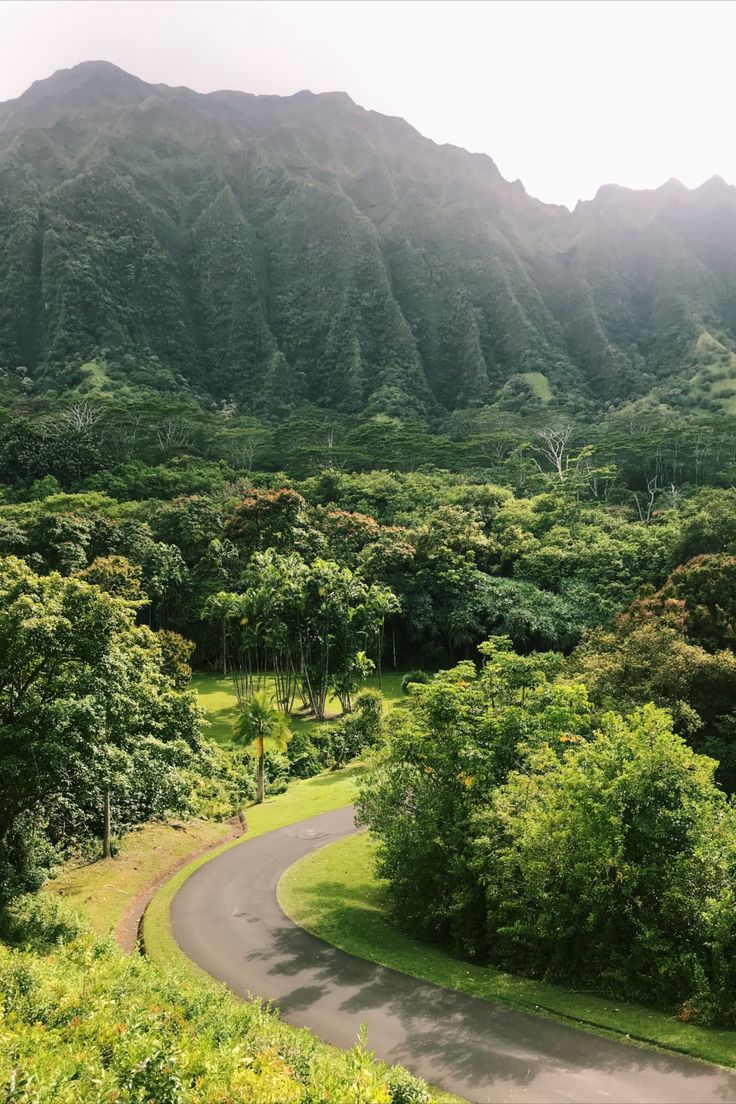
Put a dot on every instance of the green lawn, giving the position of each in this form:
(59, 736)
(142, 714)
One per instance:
(217, 696)
(334, 893)
(102, 890)
(539, 385)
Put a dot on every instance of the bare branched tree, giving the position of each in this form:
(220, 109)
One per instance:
(242, 453)
(81, 416)
(645, 504)
(598, 479)
(330, 460)
(673, 493)
(553, 447)
(174, 434)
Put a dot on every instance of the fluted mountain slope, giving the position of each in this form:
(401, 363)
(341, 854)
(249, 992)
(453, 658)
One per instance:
(273, 250)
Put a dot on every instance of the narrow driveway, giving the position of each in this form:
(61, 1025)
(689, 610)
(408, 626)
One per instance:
(227, 919)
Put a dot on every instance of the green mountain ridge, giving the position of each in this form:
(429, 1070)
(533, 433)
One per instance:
(275, 250)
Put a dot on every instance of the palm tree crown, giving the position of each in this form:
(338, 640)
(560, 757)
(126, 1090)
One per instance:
(261, 726)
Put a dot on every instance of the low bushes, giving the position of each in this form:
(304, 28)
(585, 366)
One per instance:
(411, 677)
(333, 747)
(87, 1023)
(40, 922)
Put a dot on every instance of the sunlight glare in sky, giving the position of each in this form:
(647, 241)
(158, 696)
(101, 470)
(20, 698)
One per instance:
(565, 96)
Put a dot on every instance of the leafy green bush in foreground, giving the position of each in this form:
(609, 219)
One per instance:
(88, 1023)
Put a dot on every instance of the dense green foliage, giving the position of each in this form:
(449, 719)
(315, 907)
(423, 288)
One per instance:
(521, 829)
(294, 395)
(443, 759)
(268, 252)
(81, 1021)
(183, 272)
(87, 708)
(302, 588)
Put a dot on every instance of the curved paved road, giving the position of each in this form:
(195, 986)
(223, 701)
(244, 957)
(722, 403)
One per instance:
(226, 917)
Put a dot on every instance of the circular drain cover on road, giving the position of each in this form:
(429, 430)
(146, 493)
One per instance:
(311, 833)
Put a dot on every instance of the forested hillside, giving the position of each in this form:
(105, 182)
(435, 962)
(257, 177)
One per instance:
(274, 251)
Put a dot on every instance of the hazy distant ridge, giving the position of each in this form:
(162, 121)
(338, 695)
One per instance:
(274, 249)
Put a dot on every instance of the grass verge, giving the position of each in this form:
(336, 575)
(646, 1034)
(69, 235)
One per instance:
(335, 894)
(103, 890)
(302, 800)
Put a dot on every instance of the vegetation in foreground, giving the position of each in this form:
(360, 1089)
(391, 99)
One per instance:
(81, 1021)
(336, 894)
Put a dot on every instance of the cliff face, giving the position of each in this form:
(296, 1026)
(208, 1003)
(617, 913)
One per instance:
(274, 249)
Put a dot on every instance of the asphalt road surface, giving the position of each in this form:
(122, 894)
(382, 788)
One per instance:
(227, 919)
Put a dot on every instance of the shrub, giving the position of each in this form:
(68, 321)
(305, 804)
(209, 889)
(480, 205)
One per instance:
(277, 772)
(307, 755)
(40, 921)
(27, 856)
(226, 783)
(368, 716)
(404, 1088)
(88, 1023)
(358, 731)
(414, 677)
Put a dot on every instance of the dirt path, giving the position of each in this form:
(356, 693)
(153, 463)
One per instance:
(227, 919)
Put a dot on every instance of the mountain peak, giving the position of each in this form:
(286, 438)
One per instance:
(88, 85)
(335, 97)
(715, 185)
(98, 74)
(672, 185)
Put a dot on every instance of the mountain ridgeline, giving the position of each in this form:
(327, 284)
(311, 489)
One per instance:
(273, 251)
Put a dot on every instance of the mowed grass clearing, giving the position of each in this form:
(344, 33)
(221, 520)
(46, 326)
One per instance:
(335, 894)
(217, 695)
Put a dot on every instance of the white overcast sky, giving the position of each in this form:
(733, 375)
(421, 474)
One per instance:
(564, 95)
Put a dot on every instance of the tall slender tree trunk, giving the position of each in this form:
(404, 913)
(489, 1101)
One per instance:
(106, 828)
(261, 786)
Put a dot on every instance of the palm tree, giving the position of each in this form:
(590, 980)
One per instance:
(261, 724)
